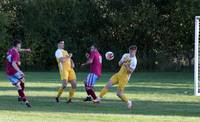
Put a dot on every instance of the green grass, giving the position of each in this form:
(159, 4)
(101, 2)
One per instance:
(158, 97)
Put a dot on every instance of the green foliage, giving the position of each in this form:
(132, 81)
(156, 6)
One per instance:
(4, 36)
(162, 29)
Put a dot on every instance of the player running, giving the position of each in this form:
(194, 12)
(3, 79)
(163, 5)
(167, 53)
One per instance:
(95, 62)
(13, 71)
(128, 64)
(67, 74)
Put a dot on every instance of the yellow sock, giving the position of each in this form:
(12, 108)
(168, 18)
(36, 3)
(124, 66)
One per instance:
(124, 98)
(71, 93)
(60, 91)
(103, 92)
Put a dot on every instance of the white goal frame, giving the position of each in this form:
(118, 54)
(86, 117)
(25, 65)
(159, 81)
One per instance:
(196, 58)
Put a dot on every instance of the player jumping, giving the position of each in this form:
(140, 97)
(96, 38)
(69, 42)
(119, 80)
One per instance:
(128, 64)
(13, 71)
(67, 74)
(95, 62)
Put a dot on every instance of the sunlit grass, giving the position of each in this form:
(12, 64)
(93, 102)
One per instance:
(157, 97)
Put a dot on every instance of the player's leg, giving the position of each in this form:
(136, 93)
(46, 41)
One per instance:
(113, 80)
(72, 90)
(22, 84)
(16, 81)
(88, 98)
(72, 79)
(61, 89)
(89, 85)
(120, 91)
(22, 94)
(64, 78)
(103, 91)
(121, 95)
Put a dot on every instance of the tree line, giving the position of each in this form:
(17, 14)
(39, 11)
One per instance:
(163, 30)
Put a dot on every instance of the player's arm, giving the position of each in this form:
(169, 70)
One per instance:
(87, 55)
(90, 59)
(65, 58)
(121, 61)
(15, 66)
(72, 63)
(62, 58)
(131, 67)
(25, 50)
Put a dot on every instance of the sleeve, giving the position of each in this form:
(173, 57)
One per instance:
(133, 64)
(122, 59)
(58, 54)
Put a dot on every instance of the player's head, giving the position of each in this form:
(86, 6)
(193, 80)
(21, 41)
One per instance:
(61, 44)
(132, 49)
(17, 43)
(93, 47)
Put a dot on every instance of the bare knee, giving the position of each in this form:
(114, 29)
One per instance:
(119, 93)
(23, 80)
(74, 84)
(64, 84)
(18, 86)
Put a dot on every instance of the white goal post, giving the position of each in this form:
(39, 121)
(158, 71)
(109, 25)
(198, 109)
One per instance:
(197, 59)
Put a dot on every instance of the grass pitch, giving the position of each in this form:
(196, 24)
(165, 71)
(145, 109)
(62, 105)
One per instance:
(158, 97)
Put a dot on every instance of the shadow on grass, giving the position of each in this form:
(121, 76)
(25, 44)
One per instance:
(128, 89)
(47, 104)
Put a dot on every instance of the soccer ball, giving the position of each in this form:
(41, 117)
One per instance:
(109, 55)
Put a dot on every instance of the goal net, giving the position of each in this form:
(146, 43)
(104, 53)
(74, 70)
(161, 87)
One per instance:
(197, 59)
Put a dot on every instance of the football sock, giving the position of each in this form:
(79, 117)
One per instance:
(103, 92)
(60, 91)
(123, 98)
(22, 95)
(71, 93)
(87, 90)
(22, 85)
(88, 93)
(92, 93)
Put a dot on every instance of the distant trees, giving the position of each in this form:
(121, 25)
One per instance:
(163, 30)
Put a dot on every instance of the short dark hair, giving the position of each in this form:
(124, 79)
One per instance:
(59, 40)
(133, 47)
(16, 42)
